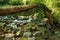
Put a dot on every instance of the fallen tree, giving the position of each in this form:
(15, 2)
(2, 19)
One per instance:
(14, 9)
(22, 8)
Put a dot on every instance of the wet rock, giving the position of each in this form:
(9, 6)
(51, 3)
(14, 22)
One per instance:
(29, 20)
(57, 33)
(2, 24)
(43, 22)
(37, 34)
(33, 29)
(8, 36)
(27, 34)
(18, 33)
(20, 17)
(18, 21)
(5, 17)
(31, 38)
(12, 25)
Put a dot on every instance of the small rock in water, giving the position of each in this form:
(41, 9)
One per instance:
(31, 38)
(8, 36)
(2, 24)
(57, 33)
(13, 25)
(27, 34)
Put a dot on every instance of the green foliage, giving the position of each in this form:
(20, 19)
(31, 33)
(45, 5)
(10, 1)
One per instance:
(35, 1)
(54, 5)
(15, 2)
(58, 4)
(11, 2)
(2, 2)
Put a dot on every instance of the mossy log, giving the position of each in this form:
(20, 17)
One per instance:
(14, 9)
